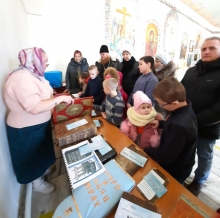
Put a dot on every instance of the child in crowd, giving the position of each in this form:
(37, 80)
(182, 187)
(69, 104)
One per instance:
(111, 72)
(176, 152)
(147, 81)
(138, 125)
(94, 86)
(113, 107)
(83, 79)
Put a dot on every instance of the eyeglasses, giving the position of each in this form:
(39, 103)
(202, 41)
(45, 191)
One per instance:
(47, 64)
(163, 105)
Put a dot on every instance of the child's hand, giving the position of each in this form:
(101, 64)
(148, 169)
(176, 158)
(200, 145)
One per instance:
(103, 115)
(128, 105)
(155, 124)
(79, 93)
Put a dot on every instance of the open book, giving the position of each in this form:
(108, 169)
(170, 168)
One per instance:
(81, 168)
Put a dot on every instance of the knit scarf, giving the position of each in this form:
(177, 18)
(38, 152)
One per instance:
(140, 120)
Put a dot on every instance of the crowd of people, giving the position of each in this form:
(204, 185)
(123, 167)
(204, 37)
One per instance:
(168, 119)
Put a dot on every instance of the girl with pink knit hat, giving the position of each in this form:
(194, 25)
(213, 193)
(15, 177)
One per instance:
(138, 125)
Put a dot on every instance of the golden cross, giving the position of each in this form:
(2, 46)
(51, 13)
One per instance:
(124, 12)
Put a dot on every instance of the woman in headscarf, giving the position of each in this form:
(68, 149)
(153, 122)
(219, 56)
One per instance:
(29, 98)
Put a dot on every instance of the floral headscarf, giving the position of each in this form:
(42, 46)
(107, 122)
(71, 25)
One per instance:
(31, 60)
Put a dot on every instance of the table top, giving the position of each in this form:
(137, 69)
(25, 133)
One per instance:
(167, 202)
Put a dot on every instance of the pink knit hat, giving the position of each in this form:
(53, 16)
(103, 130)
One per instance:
(140, 98)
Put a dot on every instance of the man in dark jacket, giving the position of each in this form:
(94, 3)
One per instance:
(106, 61)
(202, 84)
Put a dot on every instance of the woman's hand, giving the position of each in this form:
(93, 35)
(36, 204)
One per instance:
(67, 99)
(155, 124)
(128, 105)
(79, 93)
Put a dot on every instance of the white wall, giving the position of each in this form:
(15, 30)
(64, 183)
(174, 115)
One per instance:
(14, 37)
(67, 26)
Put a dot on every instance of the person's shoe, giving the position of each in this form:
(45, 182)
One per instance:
(51, 169)
(39, 185)
(195, 187)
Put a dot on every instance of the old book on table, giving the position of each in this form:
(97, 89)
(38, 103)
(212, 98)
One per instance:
(153, 185)
(81, 168)
(128, 165)
(132, 206)
(98, 197)
(186, 208)
(81, 107)
(79, 129)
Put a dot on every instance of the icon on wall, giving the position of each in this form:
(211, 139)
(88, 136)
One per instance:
(184, 43)
(189, 60)
(198, 40)
(195, 57)
(122, 26)
(191, 46)
(151, 39)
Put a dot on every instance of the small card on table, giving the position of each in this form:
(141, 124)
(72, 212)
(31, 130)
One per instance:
(97, 123)
(76, 124)
(98, 140)
(133, 156)
(93, 113)
(152, 185)
(89, 147)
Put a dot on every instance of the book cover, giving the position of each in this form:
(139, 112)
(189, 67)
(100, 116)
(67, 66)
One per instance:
(67, 137)
(153, 185)
(81, 168)
(185, 208)
(129, 166)
(98, 197)
(81, 107)
(132, 206)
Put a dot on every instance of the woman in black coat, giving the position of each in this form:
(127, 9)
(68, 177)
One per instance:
(77, 65)
(130, 71)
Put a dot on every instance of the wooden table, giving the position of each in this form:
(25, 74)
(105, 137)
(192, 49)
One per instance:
(167, 202)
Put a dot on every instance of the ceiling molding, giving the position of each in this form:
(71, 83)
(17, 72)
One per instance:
(188, 17)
